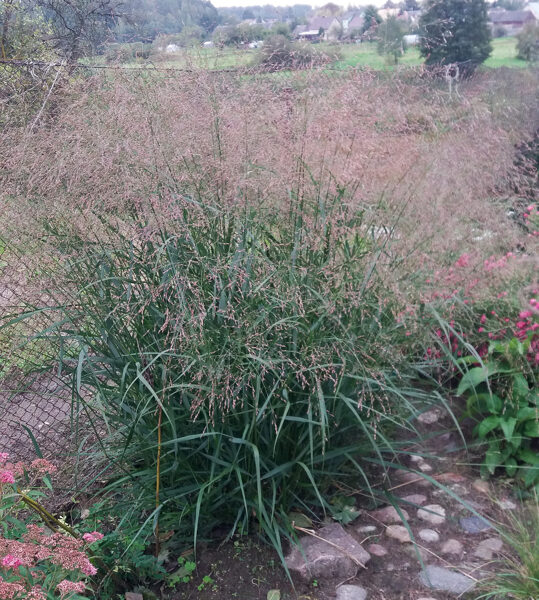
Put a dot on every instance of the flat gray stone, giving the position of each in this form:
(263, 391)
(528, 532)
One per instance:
(429, 535)
(481, 486)
(398, 532)
(320, 560)
(488, 548)
(351, 592)
(452, 546)
(417, 499)
(432, 513)
(444, 580)
(459, 489)
(389, 515)
(412, 477)
(366, 529)
(429, 417)
(414, 550)
(506, 504)
(133, 596)
(474, 524)
(376, 550)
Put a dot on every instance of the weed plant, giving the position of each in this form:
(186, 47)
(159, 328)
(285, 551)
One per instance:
(517, 576)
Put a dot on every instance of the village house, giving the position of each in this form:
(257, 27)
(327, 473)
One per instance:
(510, 21)
(320, 28)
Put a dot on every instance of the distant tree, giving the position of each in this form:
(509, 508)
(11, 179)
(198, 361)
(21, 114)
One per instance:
(411, 5)
(146, 19)
(455, 31)
(190, 36)
(528, 43)
(23, 31)
(390, 4)
(248, 14)
(390, 35)
(80, 26)
(371, 18)
(281, 29)
(510, 4)
(329, 10)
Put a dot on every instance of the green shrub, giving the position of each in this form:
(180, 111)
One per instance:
(278, 53)
(502, 397)
(528, 43)
(122, 53)
(242, 362)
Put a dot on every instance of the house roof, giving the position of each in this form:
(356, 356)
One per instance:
(511, 16)
(356, 22)
(320, 22)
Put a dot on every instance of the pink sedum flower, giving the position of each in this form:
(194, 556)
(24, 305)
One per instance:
(92, 537)
(6, 477)
(42, 466)
(88, 569)
(3, 458)
(66, 587)
(11, 562)
(10, 590)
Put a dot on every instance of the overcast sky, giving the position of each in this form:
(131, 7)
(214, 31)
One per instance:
(220, 3)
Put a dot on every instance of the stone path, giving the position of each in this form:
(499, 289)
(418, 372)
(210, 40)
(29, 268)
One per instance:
(440, 551)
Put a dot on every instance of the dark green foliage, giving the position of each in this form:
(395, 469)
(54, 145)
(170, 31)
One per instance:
(146, 19)
(528, 43)
(23, 31)
(390, 39)
(455, 31)
(502, 397)
(371, 18)
(510, 4)
(122, 53)
(80, 27)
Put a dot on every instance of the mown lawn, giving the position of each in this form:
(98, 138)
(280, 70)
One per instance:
(353, 55)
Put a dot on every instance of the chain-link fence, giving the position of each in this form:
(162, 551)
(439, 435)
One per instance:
(35, 402)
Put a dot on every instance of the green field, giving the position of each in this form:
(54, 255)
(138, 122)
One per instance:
(353, 55)
(503, 55)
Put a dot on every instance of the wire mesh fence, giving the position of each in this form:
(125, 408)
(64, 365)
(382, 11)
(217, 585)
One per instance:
(35, 401)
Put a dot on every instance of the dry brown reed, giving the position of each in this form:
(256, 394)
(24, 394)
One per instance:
(431, 173)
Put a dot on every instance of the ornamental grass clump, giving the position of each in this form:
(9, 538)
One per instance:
(232, 365)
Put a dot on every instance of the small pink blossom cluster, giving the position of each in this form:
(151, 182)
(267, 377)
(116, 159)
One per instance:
(6, 476)
(463, 277)
(527, 326)
(493, 263)
(450, 341)
(6, 473)
(37, 469)
(67, 587)
(38, 548)
(92, 537)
